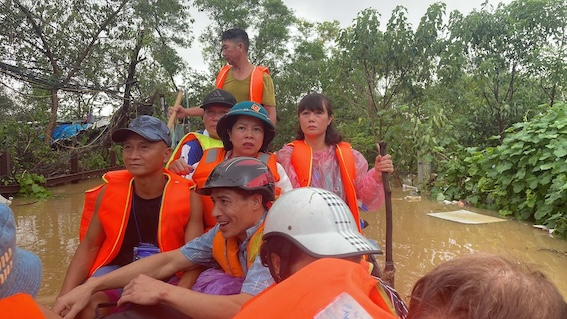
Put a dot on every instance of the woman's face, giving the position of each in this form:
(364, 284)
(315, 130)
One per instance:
(314, 123)
(247, 136)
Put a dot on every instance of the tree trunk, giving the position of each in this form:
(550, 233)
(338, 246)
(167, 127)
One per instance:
(52, 117)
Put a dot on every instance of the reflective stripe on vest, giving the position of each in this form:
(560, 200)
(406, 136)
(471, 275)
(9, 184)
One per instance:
(302, 161)
(256, 88)
(206, 142)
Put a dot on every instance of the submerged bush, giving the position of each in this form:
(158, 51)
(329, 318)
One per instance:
(524, 177)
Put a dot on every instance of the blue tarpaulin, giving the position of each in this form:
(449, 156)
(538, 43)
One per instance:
(69, 130)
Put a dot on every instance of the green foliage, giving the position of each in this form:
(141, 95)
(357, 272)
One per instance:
(30, 186)
(88, 48)
(525, 176)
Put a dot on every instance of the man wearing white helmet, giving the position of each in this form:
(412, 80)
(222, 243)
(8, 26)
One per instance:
(314, 252)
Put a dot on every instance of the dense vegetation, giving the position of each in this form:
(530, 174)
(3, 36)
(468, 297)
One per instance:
(468, 94)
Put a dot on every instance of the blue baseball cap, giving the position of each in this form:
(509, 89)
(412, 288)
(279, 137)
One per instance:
(148, 127)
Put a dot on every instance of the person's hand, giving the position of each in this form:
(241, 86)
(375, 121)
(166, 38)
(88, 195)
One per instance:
(178, 109)
(71, 303)
(143, 290)
(180, 167)
(383, 164)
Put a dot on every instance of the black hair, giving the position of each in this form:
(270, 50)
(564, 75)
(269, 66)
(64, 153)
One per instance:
(288, 252)
(319, 102)
(237, 35)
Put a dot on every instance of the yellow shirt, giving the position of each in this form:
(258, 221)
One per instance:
(241, 88)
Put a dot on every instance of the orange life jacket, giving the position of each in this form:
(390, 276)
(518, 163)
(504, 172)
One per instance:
(20, 306)
(211, 158)
(114, 211)
(256, 91)
(302, 161)
(206, 142)
(225, 252)
(317, 285)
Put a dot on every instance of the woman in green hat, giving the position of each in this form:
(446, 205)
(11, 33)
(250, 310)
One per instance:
(245, 130)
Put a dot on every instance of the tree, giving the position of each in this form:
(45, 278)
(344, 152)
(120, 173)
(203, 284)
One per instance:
(549, 63)
(80, 47)
(499, 46)
(308, 68)
(388, 75)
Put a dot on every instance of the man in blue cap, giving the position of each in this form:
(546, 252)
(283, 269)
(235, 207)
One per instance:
(137, 212)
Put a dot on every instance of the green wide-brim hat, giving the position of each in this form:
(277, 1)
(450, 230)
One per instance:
(247, 108)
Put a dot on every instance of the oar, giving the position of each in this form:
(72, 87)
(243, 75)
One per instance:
(389, 270)
(171, 120)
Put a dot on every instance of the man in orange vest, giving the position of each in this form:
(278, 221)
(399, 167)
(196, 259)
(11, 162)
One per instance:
(240, 77)
(138, 211)
(314, 252)
(241, 188)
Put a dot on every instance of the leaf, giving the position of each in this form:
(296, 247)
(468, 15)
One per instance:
(560, 152)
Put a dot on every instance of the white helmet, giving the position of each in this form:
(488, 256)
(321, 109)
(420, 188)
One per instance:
(319, 221)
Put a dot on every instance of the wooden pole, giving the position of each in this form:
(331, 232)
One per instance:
(171, 120)
(172, 117)
(389, 269)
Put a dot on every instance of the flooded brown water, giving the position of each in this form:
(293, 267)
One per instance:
(50, 229)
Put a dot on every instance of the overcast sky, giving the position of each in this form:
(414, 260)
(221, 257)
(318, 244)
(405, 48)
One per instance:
(345, 12)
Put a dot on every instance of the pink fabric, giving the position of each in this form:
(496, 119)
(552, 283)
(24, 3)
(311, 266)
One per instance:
(327, 175)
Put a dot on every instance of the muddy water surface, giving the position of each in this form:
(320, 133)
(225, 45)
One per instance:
(50, 229)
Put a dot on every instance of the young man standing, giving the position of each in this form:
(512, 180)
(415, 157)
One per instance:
(247, 82)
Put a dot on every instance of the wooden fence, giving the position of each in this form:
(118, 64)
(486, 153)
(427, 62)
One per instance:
(75, 173)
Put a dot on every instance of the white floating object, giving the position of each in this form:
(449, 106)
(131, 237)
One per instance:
(5, 201)
(408, 188)
(466, 217)
(543, 227)
(411, 198)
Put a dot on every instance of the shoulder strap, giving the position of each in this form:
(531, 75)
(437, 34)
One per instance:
(176, 154)
(257, 83)
(219, 83)
(87, 211)
(302, 161)
(346, 163)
